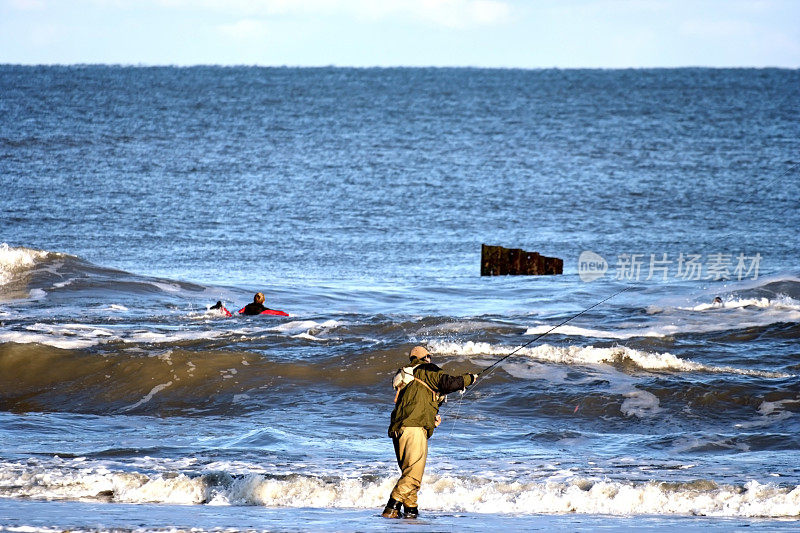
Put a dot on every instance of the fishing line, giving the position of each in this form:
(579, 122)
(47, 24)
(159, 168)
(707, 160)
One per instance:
(488, 370)
(630, 286)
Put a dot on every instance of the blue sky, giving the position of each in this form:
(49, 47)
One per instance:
(481, 33)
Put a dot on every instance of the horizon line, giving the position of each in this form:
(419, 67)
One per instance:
(388, 67)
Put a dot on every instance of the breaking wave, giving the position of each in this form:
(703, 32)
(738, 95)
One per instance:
(81, 336)
(590, 355)
(17, 260)
(732, 315)
(440, 492)
(781, 302)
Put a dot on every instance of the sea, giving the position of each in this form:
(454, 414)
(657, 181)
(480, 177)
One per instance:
(653, 385)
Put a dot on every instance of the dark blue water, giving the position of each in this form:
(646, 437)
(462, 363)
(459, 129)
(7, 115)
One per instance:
(357, 200)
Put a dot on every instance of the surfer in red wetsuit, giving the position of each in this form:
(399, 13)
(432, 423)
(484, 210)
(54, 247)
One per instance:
(257, 307)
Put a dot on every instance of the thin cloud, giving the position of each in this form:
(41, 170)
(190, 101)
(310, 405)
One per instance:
(446, 13)
(717, 28)
(27, 5)
(245, 29)
(453, 13)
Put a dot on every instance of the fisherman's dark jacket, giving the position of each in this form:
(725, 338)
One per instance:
(417, 404)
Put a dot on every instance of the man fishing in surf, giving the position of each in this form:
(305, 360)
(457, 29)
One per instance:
(420, 389)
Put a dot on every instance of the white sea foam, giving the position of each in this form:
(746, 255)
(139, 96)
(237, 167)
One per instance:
(209, 314)
(781, 302)
(589, 355)
(167, 287)
(440, 492)
(37, 294)
(534, 370)
(79, 336)
(576, 331)
(769, 413)
(66, 336)
(149, 396)
(23, 337)
(73, 329)
(14, 260)
(298, 326)
(457, 327)
(307, 337)
(640, 403)
(31, 529)
(240, 398)
(307, 329)
(676, 326)
(776, 408)
(707, 317)
(159, 337)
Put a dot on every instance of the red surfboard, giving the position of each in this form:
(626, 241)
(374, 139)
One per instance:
(273, 312)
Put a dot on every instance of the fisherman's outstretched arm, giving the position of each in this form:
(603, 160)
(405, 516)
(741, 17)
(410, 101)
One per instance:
(447, 383)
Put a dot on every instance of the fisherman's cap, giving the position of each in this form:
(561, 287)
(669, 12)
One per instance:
(418, 352)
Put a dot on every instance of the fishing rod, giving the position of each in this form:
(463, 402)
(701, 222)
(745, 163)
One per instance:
(628, 287)
(742, 201)
(493, 365)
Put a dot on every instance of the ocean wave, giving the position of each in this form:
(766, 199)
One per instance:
(161, 380)
(589, 355)
(28, 273)
(703, 318)
(15, 260)
(47, 339)
(82, 336)
(439, 492)
(65, 336)
(780, 302)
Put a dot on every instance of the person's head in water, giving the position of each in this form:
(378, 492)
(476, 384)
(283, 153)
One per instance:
(419, 352)
(258, 298)
(717, 301)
